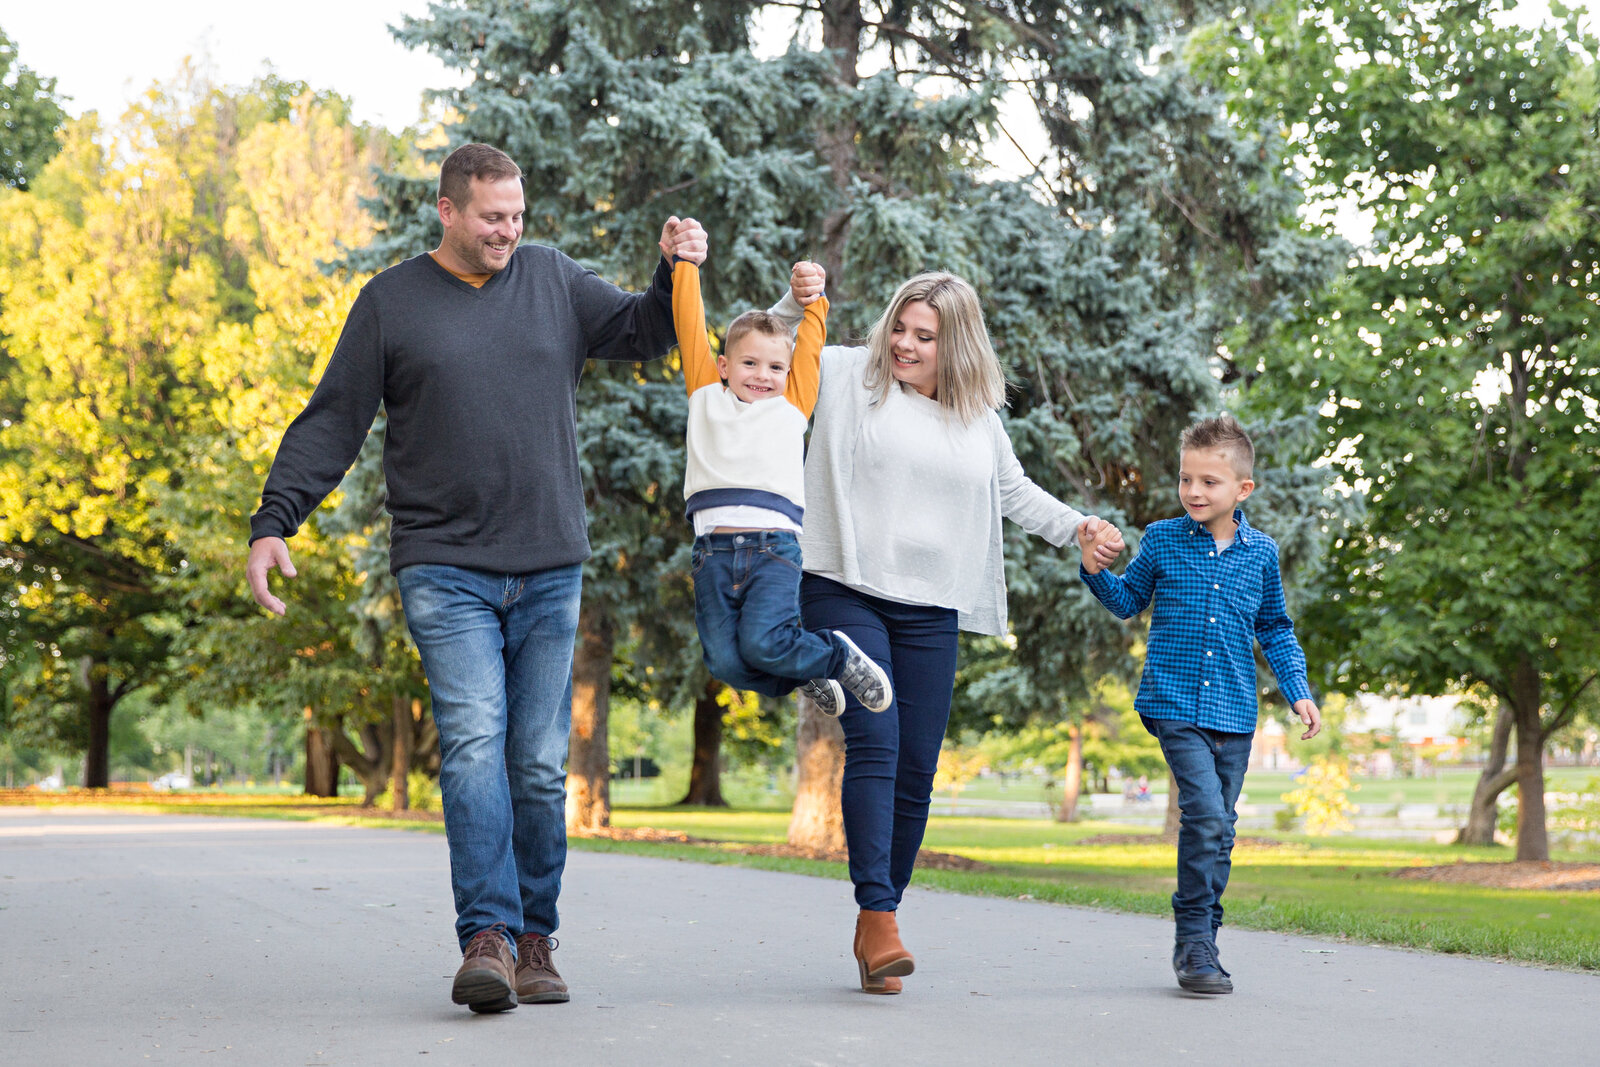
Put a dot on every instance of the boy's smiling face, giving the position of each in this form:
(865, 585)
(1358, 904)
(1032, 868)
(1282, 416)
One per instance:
(757, 367)
(1210, 488)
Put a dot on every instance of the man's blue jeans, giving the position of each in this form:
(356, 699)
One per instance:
(1209, 766)
(747, 609)
(497, 650)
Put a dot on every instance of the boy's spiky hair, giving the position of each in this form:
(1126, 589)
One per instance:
(753, 322)
(1225, 435)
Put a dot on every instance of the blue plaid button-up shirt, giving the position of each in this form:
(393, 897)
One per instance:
(1210, 608)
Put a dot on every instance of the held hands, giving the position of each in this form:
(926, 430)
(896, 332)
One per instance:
(807, 281)
(1307, 710)
(685, 239)
(1101, 543)
(265, 554)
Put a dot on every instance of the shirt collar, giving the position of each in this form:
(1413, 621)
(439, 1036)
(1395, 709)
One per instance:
(1241, 536)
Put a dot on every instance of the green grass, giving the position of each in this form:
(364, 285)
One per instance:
(1451, 786)
(1339, 887)
(1328, 887)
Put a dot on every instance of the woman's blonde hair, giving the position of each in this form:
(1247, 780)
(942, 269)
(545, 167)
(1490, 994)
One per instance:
(969, 380)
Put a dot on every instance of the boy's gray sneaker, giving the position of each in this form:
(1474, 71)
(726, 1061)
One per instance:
(1198, 969)
(863, 677)
(826, 694)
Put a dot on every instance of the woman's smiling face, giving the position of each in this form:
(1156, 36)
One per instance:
(914, 346)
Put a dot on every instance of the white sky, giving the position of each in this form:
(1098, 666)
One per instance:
(105, 53)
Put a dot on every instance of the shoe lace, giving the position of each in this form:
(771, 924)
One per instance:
(1200, 954)
(534, 950)
(486, 942)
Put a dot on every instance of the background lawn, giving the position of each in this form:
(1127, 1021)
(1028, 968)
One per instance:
(1328, 887)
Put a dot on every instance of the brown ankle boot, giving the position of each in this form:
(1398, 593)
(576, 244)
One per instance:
(880, 956)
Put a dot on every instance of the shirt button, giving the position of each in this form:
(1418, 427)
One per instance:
(1211, 553)
(1205, 683)
(1213, 618)
(1208, 653)
(1216, 587)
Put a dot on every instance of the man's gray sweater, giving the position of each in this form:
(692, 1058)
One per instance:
(480, 385)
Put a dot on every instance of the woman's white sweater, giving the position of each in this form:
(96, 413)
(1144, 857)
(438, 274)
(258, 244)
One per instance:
(903, 501)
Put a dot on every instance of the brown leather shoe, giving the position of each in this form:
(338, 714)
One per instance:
(880, 956)
(484, 982)
(537, 980)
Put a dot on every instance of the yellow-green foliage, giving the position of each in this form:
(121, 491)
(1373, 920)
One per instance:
(958, 765)
(1323, 799)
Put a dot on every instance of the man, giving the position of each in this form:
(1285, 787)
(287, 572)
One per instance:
(475, 351)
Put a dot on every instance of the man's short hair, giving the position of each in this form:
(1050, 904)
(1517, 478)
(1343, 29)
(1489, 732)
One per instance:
(753, 322)
(1225, 435)
(481, 161)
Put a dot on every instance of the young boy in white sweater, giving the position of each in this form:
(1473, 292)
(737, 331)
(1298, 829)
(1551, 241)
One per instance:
(744, 485)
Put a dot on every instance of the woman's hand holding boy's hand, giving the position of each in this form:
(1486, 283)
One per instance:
(1101, 543)
(806, 281)
(1307, 710)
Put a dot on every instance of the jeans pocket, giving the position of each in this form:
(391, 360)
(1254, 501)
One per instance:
(697, 561)
(788, 555)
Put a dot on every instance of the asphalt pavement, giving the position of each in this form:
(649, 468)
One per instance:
(132, 939)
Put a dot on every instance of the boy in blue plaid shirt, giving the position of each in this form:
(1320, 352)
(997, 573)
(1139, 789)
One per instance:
(1217, 590)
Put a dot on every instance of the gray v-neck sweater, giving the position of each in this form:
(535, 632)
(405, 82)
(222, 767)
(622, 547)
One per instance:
(480, 456)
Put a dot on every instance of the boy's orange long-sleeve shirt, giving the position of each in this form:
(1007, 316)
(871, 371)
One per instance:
(740, 453)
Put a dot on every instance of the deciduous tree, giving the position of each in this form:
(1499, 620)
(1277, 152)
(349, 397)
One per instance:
(1454, 362)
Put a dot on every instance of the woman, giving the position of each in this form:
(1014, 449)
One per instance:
(908, 473)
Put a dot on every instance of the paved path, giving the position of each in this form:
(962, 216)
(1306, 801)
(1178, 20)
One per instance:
(130, 939)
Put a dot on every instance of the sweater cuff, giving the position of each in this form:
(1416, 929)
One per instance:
(662, 278)
(263, 524)
(788, 309)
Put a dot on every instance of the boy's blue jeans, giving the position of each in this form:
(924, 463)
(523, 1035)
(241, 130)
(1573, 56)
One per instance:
(1209, 766)
(497, 650)
(747, 609)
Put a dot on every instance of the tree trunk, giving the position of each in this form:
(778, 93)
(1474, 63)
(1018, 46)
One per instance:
(1533, 843)
(400, 763)
(705, 773)
(588, 762)
(842, 27)
(819, 764)
(322, 762)
(97, 757)
(1068, 811)
(370, 761)
(1494, 780)
(1169, 829)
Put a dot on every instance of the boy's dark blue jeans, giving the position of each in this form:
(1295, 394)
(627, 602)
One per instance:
(747, 609)
(1209, 766)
